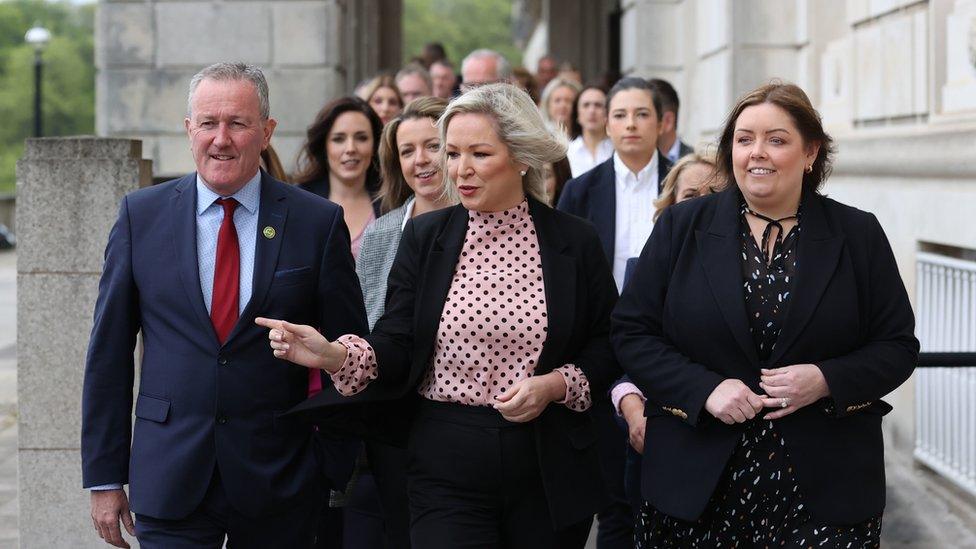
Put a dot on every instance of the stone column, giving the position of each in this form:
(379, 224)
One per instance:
(68, 195)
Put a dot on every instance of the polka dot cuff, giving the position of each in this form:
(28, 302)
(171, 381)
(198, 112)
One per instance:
(577, 388)
(359, 368)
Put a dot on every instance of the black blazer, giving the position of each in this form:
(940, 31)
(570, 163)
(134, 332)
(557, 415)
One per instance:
(593, 196)
(580, 293)
(680, 328)
(321, 188)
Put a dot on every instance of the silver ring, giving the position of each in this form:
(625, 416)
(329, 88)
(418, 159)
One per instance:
(784, 402)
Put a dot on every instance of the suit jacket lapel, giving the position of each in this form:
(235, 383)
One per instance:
(436, 279)
(559, 276)
(663, 168)
(603, 201)
(272, 213)
(818, 252)
(720, 251)
(184, 233)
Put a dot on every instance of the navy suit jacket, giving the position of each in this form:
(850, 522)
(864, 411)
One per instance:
(592, 196)
(202, 404)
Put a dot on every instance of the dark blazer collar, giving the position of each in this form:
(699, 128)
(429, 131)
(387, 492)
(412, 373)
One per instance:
(726, 221)
(559, 279)
(272, 213)
(184, 233)
(558, 271)
(663, 169)
(818, 248)
(451, 235)
(603, 205)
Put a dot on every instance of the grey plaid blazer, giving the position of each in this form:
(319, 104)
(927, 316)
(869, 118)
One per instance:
(376, 254)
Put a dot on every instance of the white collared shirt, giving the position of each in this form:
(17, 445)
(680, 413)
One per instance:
(674, 153)
(407, 212)
(580, 159)
(209, 218)
(635, 195)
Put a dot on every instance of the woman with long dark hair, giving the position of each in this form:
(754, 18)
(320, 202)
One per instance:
(340, 161)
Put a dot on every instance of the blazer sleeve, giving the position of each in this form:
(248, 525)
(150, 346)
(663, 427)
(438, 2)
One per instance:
(392, 335)
(665, 375)
(569, 198)
(890, 351)
(596, 358)
(340, 300)
(106, 405)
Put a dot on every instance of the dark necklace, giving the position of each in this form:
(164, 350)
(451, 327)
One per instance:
(770, 223)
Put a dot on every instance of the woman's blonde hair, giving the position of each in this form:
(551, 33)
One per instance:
(366, 91)
(519, 126)
(395, 191)
(669, 189)
(551, 87)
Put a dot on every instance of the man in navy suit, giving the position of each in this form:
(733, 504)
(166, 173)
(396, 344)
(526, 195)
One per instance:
(668, 144)
(618, 197)
(190, 263)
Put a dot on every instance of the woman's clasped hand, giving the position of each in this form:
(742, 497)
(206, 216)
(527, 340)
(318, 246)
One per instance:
(787, 389)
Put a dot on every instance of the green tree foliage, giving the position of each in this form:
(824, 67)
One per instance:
(69, 75)
(461, 26)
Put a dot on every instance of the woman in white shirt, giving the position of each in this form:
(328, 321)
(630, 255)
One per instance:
(590, 145)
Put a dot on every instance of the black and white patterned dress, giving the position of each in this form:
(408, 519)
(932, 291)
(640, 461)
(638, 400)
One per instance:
(757, 502)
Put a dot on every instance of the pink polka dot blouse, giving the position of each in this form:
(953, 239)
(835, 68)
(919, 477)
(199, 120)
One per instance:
(493, 324)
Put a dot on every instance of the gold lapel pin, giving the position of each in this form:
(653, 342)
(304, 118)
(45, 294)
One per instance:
(268, 232)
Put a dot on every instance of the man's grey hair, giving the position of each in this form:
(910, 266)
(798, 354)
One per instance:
(502, 67)
(519, 126)
(223, 72)
(414, 68)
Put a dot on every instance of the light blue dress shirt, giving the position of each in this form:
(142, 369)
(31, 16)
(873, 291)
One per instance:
(209, 218)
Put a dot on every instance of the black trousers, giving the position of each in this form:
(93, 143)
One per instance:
(616, 521)
(215, 518)
(389, 467)
(474, 482)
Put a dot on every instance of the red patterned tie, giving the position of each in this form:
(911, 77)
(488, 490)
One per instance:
(227, 274)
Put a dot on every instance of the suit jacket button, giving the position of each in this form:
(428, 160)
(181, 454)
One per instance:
(222, 361)
(222, 420)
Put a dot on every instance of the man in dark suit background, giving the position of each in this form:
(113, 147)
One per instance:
(190, 263)
(618, 197)
(668, 144)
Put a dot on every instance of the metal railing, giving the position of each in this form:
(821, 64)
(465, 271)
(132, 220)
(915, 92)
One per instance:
(945, 389)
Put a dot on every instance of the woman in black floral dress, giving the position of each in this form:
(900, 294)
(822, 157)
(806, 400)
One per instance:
(764, 324)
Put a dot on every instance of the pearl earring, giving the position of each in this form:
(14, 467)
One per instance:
(523, 172)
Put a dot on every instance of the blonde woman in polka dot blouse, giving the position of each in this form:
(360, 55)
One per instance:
(493, 344)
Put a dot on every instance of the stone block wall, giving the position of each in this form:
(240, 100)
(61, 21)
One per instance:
(312, 51)
(68, 195)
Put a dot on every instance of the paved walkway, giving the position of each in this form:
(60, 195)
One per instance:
(921, 513)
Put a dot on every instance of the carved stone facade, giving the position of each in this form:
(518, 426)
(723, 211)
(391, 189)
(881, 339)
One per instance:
(311, 50)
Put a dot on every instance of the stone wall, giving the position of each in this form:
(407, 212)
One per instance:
(68, 195)
(311, 51)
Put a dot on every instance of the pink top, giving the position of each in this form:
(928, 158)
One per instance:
(620, 391)
(493, 324)
(357, 242)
